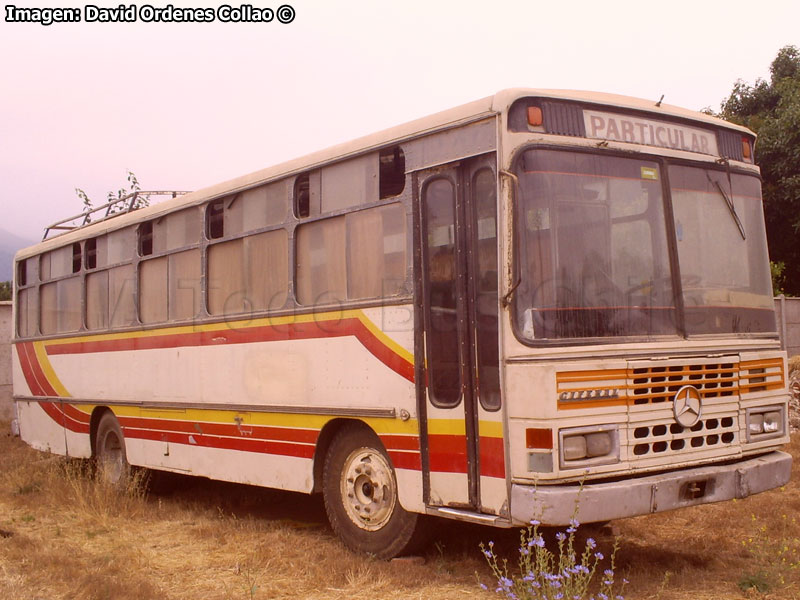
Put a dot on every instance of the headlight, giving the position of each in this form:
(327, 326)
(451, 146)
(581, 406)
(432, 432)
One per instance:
(765, 422)
(584, 446)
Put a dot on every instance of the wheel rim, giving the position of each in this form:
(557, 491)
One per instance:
(112, 458)
(368, 489)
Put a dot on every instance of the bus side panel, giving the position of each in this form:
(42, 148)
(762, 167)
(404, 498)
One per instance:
(38, 429)
(79, 444)
(281, 472)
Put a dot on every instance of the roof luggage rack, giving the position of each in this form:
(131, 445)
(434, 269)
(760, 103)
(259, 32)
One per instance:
(116, 207)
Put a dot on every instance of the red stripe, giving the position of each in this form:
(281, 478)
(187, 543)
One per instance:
(36, 368)
(400, 442)
(406, 460)
(267, 333)
(205, 441)
(52, 410)
(280, 441)
(492, 453)
(253, 432)
(27, 369)
(447, 453)
(56, 412)
(76, 414)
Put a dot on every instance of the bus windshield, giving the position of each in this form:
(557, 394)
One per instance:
(593, 258)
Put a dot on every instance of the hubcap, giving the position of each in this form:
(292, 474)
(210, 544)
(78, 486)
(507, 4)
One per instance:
(368, 489)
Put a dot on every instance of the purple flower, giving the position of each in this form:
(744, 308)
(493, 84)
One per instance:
(574, 523)
(560, 536)
(535, 523)
(591, 543)
(599, 555)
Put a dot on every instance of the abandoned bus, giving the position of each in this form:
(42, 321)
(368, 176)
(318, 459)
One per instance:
(536, 301)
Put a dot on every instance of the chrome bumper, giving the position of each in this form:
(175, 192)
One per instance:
(556, 505)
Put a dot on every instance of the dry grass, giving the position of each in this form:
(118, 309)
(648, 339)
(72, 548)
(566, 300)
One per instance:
(65, 535)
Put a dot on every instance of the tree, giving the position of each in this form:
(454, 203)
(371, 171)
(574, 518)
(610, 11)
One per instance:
(141, 199)
(772, 109)
(5, 290)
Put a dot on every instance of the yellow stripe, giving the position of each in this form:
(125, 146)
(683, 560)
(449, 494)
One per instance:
(385, 339)
(490, 429)
(245, 324)
(286, 420)
(458, 427)
(49, 372)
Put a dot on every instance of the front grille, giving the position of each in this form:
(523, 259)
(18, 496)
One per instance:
(761, 375)
(652, 385)
(668, 437)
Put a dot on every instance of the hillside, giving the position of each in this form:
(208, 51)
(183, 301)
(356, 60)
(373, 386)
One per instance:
(9, 244)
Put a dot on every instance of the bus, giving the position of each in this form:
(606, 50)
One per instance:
(539, 305)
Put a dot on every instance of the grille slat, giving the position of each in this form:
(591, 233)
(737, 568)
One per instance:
(657, 384)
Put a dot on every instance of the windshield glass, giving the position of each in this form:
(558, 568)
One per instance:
(592, 242)
(593, 257)
(722, 251)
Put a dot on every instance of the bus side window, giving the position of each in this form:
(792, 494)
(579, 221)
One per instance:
(392, 173)
(306, 196)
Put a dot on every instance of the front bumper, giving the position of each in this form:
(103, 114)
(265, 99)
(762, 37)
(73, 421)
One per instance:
(557, 505)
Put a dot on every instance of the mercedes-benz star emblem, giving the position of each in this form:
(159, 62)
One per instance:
(687, 406)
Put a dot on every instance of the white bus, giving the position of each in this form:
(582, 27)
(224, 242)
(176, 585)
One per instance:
(492, 314)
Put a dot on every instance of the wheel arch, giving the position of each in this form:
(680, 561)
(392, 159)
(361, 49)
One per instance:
(329, 431)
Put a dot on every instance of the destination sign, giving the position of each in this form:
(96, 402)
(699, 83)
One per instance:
(649, 132)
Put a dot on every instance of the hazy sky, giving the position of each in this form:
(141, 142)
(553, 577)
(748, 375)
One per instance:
(188, 105)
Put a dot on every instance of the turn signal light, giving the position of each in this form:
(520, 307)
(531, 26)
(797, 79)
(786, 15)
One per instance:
(746, 150)
(539, 438)
(535, 118)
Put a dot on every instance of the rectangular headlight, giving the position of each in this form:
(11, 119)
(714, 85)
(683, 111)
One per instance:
(585, 446)
(772, 421)
(756, 424)
(765, 422)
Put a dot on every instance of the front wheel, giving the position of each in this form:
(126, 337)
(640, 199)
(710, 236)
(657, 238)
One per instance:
(112, 461)
(360, 491)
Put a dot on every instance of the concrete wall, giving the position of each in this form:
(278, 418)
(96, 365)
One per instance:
(5, 360)
(788, 315)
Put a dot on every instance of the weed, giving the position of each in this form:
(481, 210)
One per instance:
(249, 574)
(100, 500)
(548, 575)
(775, 554)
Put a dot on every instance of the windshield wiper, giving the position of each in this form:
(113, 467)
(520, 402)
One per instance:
(729, 203)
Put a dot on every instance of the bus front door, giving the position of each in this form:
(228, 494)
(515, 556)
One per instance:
(457, 354)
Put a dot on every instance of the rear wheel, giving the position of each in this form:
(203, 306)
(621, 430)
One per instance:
(360, 491)
(112, 461)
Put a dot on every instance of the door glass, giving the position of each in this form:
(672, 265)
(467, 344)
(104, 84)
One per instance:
(484, 196)
(442, 344)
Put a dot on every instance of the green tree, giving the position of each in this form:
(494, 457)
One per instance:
(5, 290)
(134, 188)
(772, 109)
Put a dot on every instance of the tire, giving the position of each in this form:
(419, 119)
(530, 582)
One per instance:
(360, 492)
(110, 456)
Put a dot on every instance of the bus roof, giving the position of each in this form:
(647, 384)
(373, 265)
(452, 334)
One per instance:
(460, 115)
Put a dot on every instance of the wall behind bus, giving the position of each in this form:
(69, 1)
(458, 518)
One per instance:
(5, 360)
(788, 315)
